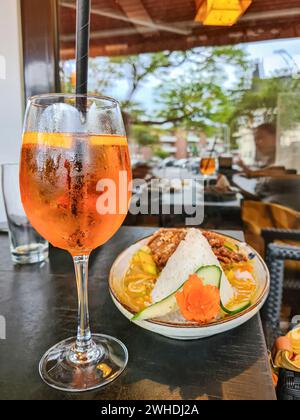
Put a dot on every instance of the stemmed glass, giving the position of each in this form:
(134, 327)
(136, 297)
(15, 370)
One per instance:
(75, 187)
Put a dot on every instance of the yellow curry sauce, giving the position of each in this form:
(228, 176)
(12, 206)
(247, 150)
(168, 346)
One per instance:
(245, 288)
(140, 280)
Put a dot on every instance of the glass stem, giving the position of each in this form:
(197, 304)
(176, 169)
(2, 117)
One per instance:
(84, 349)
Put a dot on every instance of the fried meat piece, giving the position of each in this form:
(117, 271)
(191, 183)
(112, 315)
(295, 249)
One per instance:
(164, 243)
(224, 255)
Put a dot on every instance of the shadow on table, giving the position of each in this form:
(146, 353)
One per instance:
(198, 369)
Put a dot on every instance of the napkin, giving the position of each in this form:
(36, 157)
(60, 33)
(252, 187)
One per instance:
(223, 185)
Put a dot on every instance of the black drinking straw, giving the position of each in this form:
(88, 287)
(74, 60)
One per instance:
(82, 60)
(82, 49)
(211, 154)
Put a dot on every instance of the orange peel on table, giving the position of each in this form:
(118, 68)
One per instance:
(294, 337)
(197, 302)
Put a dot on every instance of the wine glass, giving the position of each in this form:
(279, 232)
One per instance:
(75, 186)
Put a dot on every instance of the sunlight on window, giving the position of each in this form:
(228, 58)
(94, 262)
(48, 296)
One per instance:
(288, 142)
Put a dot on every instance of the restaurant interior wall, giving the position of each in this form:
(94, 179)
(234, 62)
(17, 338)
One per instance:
(11, 85)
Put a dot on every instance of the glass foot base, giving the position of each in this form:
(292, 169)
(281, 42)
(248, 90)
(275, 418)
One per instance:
(30, 254)
(59, 372)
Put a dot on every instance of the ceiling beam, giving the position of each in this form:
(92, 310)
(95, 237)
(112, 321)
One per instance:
(109, 33)
(121, 32)
(236, 35)
(113, 14)
(271, 14)
(136, 11)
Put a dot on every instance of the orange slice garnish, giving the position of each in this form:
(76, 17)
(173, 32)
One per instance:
(65, 140)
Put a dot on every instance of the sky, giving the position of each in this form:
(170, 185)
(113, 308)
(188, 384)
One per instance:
(264, 52)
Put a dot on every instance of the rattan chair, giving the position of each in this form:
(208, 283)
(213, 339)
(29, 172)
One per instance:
(272, 235)
(288, 386)
(290, 238)
(276, 256)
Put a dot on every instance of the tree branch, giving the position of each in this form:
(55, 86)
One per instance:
(165, 121)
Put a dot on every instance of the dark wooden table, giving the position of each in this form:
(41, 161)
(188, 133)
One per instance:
(215, 213)
(40, 307)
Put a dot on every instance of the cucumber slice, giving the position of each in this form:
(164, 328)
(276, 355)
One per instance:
(159, 309)
(211, 275)
(236, 309)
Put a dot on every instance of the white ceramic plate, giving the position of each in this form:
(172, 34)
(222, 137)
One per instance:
(186, 331)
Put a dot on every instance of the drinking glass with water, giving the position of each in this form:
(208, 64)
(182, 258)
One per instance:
(27, 246)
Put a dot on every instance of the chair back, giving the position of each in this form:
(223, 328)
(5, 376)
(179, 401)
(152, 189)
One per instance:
(258, 215)
(276, 257)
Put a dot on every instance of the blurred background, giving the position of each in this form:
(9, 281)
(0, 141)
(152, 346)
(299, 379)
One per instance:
(217, 103)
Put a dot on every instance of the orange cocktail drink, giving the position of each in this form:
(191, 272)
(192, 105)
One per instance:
(60, 176)
(208, 166)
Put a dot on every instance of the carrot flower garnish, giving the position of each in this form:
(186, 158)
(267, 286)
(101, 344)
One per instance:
(197, 302)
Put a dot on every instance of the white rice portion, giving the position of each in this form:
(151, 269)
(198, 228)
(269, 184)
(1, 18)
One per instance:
(192, 253)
